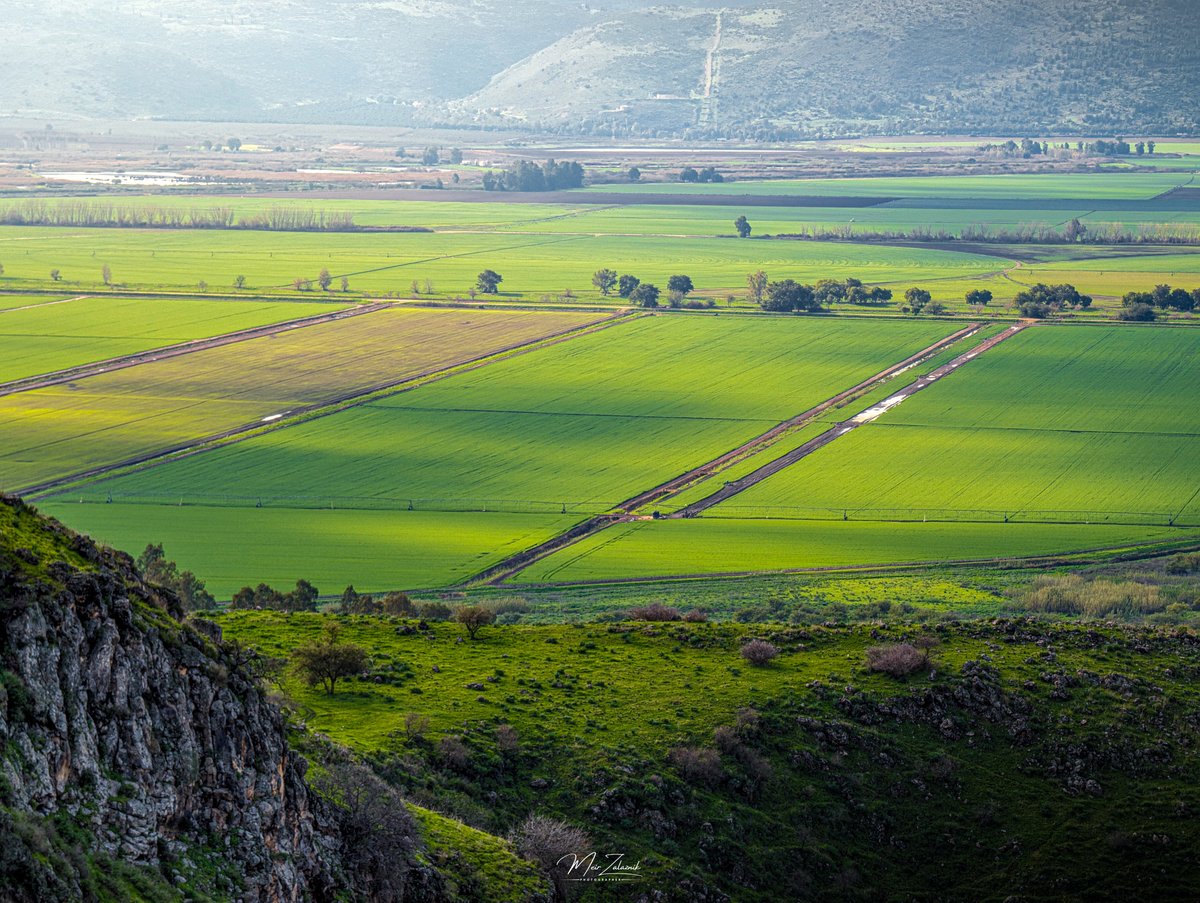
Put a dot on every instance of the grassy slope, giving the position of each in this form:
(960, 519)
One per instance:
(58, 336)
(875, 785)
(107, 418)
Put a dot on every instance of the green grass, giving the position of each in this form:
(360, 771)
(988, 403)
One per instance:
(52, 337)
(104, 419)
(715, 545)
(12, 302)
(478, 861)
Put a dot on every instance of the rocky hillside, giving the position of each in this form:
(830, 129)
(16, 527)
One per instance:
(740, 68)
(139, 760)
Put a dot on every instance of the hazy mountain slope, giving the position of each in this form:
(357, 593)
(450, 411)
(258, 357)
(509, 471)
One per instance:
(773, 66)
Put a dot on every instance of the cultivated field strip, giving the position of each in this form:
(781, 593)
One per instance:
(561, 431)
(650, 550)
(54, 433)
(54, 336)
(1104, 433)
(838, 431)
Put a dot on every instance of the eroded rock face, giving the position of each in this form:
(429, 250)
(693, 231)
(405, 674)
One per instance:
(142, 730)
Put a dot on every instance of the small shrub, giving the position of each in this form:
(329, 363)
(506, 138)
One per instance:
(759, 652)
(654, 612)
(454, 753)
(1184, 564)
(896, 659)
(695, 616)
(697, 765)
(507, 739)
(435, 611)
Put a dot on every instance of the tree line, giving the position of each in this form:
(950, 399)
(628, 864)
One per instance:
(98, 216)
(1144, 306)
(528, 176)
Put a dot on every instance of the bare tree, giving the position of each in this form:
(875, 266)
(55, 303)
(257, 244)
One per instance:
(757, 283)
(324, 279)
(553, 845)
(106, 274)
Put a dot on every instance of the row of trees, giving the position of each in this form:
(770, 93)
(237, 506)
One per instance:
(432, 156)
(83, 214)
(1143, 307)
(1115, 147)
(529, 176)
(645, 294)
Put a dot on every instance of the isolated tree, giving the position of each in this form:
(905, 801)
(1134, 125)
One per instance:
(1, 269)
(415, 287)
(916, 299)
(681, 284)
(234, 144)
(1075, 230)
(488, 282)
(456, 156)
(605, 280)
(202, 285)
(626, 285)
(474, 618)
(979, 297)
(239, 282)
(324, 279)
(1150, 147)
(431, 156)
(55, 275)
(645, 295)
(429, 287)
(329, 660)
(757, 283)
(689, 174)
(345, 284)
(106, 274)
(743, 227)
(635, 174)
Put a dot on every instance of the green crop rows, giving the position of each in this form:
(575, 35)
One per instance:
(564, 431)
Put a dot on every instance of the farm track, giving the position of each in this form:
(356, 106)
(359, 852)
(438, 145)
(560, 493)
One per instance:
(736, 487)
(324, 408)
(13, 310)
(623, 513)
(59, 377)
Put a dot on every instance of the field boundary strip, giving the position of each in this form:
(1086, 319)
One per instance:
(623, 513)
(324, 408)
(122, 362)
(13, 310)
(837, 431)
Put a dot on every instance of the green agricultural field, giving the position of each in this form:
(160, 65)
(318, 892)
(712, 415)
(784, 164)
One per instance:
(51, 337)
(646, 549)
(570, 429)
(373, 550)
(532, 265)
(12, 302)
(101, 420)
(1093, 186)
(1112, 440)
(1101, 449)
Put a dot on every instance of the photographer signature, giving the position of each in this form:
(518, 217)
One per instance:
(592, 867)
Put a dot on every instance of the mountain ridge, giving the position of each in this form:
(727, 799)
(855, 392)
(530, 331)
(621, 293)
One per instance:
(806, 68)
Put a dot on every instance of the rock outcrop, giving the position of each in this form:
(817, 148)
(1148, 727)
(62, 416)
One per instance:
(140, 731)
